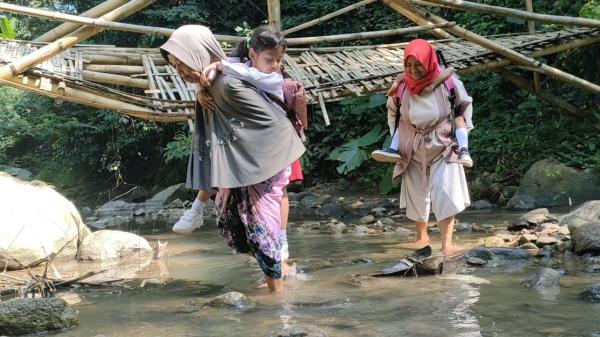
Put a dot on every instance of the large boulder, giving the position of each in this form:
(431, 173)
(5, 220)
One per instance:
(169, 194)
(584, 214)
(550, 184)
(115, 208)
(586, 238)
(544, 278)
(35, 222)
(36, 315)
(106, 245)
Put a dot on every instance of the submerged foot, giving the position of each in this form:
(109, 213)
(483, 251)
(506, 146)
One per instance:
(453, 250)
(419, 244)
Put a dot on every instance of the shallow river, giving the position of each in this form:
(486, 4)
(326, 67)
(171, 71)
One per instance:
(464, 301)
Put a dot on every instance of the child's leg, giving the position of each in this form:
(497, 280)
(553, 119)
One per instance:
(462, 136)
(193, 217)
(389, 155)
(285, 211)
(395, 144)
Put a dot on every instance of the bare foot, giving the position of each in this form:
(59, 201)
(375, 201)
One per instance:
(416, 245)
(285, 270)
(452, 250)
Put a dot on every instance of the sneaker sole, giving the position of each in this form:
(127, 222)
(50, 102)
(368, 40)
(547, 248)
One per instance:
(466, 163)
(384, 159)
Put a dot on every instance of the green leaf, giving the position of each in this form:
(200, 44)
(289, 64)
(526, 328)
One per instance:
(377, 100)
(386, 185)
(373, 136)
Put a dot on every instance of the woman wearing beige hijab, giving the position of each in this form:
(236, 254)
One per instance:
(244, 149)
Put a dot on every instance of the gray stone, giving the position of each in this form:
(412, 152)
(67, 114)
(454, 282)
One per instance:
(114, 208)
(584, 214)
(308, 201)
(592, 293)
(479, 252)
(363, 260)
(177, 203)
(494, 241)
(528, 245)
(106, 245)
(546, 241)
(169, 194)
(522, 202)
(299, 331)
(586, 238)
(139, 212)
(512, 253)
(387, 221)
(462, 226)
(36, 315)
(387, 204)
(361, 229)
(475, 261)
(333, 209)
(404, 231)
(533, 219)
(482, 204)
(544, 278)
(86, 211)
(367, 219)
(139, 194)
(338, 228)
(378, 212)
(19, 173)
(552, 184)
(232, 299)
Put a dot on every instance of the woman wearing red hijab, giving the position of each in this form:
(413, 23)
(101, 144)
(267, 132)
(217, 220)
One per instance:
(432, 177)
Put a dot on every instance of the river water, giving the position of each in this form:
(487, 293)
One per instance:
(464, 301)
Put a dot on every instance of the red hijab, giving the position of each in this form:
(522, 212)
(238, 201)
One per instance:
(423, 52)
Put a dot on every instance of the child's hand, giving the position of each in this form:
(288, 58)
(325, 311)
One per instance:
(205, 100)
(210, 72)
(429, 88)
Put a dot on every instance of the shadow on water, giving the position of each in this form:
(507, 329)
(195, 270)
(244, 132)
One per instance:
(463, 302)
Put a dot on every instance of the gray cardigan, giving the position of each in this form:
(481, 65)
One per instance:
(244, 142)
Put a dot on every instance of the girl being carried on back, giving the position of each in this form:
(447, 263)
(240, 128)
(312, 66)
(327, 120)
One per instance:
(391, 154)
(258, 61)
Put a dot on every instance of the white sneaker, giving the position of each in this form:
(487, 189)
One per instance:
(189, 221)
(285, 252)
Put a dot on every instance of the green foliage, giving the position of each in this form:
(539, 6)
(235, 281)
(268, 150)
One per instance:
(354, 153)
(7, 28)
(591, 10)
(179, 148)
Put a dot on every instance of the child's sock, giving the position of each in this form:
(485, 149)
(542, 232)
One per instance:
(462, 137)
(395, 140)
(198, 205)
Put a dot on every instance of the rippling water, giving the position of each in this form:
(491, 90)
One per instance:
(462, 302)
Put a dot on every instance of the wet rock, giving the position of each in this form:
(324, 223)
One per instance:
(333, 209)
(482, 204)
(299, 331)
(36, 221)
(36, 315)
(139, 194)
(387, 204)
(533, 219)
(521, 202)
(378, 212)
(545, 241)
(309, 201)
(105, 245)
(361, 229)
(584, 214)
(387, 221)
(475, 261)
(139, 212)
(169, 194)
(232, 299)
(177, 203)
(494, 241)
(506, 237)
(462, 226)
(550, 228)
(486, 228)
(594, 268)
(363, 260)
(552, 184)
(547, 252)
(528, 245)
(19, 173)
(592, 293)
(378, 225)
(324, 199)
(367, 219)
(479, 252)
(512, 253)
(404, 231)
(337, 228)
(102, 223)
(86, 212)
(114, 208)
(586, 238)
(544, 278)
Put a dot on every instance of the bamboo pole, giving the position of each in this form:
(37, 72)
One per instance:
(365, 35)
(531, 30)
(114, 79)
(327, 17)
(274, 13)
(26, 62)
(539, 53)
(420, 20)
(544, 95)
(67, 28)
(96, 22)
(114, 69)
(507, 52)
(503, 11)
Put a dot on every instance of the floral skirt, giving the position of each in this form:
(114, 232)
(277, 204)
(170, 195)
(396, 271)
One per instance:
(249, 219)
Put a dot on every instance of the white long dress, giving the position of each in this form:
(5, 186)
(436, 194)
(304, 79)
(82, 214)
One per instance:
(445, 191)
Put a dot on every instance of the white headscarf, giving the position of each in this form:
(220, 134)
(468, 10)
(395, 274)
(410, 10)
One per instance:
(194, 45)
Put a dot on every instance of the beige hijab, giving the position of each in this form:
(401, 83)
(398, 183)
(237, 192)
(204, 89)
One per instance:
(193, 45)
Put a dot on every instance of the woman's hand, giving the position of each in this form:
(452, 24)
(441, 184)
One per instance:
(205, 100)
